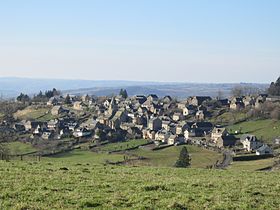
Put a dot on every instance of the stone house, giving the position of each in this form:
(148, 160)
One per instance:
(152, 98)
(81, 132)
(39, 129)
(180, 128)
(198, 100)
(248, 101)
(225, 141)
(189, 110)
(224, 102)
(162, 135)
(29, 125)
(250, 142)
(148, 105)
(53, 124)
(140, 120)
(206, 127)
(47, 135)
(142, 111)
(218, 132)
(177, 116)
(115, 122)
(57, 110)
(140, 98)
(149, 134)
(86, 98)
(181, 105)
(167, 99)
(125, 126)
(174, 139)
(79, 105)
(91, 124)
(52, 101)
(155, 124)
(264, 150)
(194, 132)
(165, 124)
(260, 100)
(134, 132)
(237, 105)
(64, 132)
(199, 115)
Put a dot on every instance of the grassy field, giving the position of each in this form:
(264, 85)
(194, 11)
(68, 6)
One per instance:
(201, 158)
(252, 165)
(85, 157)
(265, 129)
(123, 145)
(82, 179)
(229, 117)
(32, 113)
(17, 148)
(68, 185)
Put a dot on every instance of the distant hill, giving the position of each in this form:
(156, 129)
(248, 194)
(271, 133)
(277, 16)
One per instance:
(176, 90)
(11, 87)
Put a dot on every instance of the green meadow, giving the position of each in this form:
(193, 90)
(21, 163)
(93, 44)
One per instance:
(68, 184)
(83, 179)
(266, 130)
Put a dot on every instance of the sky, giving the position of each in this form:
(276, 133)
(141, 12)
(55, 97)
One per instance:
(146, 40)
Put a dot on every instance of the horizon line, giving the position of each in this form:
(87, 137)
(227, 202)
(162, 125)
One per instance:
(139, 81)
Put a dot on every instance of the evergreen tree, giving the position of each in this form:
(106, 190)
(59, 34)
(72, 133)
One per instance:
(49, 94)
(52, 93)
(123, 93)
(23, 98)
(67, 99)
(274, 88)
(184, 159)
(40, 95)
(55, 92)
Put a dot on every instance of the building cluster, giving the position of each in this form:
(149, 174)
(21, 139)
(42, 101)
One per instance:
(162, 120)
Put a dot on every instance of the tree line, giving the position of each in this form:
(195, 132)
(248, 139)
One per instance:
(40, 97)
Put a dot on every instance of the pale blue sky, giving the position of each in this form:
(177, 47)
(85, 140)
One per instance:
(155, 40)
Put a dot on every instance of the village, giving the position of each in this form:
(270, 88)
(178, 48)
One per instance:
(162, 121)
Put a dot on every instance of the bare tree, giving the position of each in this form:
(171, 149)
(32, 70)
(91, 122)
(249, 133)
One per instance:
(237, 91)
(220, 95)
(4, 152)
(275, 114)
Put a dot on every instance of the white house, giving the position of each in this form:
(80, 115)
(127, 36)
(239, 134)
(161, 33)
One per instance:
(250, 142)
